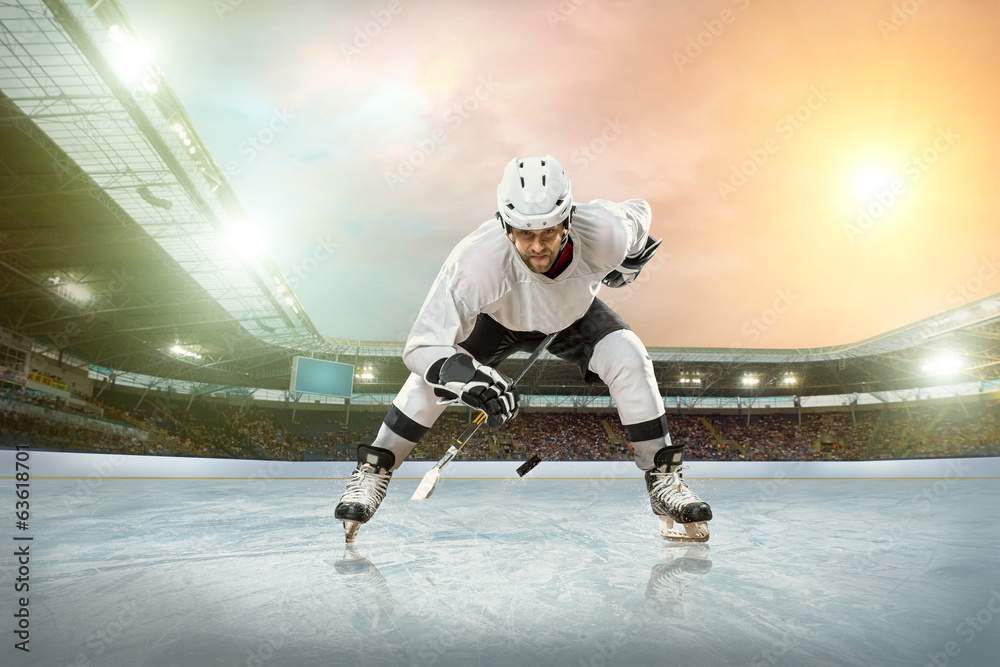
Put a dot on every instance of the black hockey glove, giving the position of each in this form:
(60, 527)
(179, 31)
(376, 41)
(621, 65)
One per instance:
(625, 273)
(457, 378)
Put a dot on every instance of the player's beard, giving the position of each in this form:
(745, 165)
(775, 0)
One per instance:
(539, 266)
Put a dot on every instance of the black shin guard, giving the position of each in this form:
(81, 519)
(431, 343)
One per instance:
(647, 430)
(400, 424)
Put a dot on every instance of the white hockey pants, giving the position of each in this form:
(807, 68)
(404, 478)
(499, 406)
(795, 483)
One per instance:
(619, 359)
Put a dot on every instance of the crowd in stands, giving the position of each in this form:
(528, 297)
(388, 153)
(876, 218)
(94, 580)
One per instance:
(952, 430)
(216, 429)
(30, 397)
(569, 436)
(43, 430)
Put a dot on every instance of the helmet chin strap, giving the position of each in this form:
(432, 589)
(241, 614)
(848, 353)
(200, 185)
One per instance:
(506, 227)
(569, 221)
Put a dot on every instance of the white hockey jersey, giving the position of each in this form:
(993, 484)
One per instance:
(485, 274)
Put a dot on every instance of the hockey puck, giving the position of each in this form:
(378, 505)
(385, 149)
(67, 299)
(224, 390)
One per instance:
(526, 467)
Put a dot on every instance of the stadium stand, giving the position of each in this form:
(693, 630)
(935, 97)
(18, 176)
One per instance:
(215, 428)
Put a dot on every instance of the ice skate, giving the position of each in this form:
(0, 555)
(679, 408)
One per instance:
(673, 501)
(366, 489)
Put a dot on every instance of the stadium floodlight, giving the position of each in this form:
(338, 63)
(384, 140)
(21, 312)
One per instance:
(944, 363)
(131, 60)
(686, 378)
(750, 380)
(179, 351)
(789, 379)
(75, 292)
(245, 238)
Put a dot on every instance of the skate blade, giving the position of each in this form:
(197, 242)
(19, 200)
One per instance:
(351, 529)
(693, 532)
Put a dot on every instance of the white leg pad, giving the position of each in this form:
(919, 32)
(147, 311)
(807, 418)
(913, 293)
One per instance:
(621, 361)
(417, 401)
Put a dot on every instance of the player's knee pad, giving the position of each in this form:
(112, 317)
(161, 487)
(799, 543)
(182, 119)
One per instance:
(621, 361)
(619, 354)
(417, 403)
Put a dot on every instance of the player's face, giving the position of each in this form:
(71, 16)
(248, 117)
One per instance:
(538, 248)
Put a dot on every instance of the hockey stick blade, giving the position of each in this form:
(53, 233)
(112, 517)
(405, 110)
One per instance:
(427, 484)
(430, 481)
(433, 476)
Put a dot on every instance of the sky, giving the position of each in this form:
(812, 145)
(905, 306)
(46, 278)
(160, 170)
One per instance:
(820, 172)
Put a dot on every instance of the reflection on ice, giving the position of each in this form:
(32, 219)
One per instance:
(678, 567)
(370, 595)
(379, 617)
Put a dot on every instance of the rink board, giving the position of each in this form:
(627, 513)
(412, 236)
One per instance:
(95, 465)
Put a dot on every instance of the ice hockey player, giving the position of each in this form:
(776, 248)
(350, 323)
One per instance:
(536, 269)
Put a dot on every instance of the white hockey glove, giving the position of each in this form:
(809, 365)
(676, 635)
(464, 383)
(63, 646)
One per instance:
(459, 378)
(626, 272)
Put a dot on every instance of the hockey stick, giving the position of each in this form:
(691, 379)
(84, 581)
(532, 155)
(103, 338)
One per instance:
(430, 481)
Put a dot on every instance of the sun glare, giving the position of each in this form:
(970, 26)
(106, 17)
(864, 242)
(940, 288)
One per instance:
(245, 239)
(872, 180)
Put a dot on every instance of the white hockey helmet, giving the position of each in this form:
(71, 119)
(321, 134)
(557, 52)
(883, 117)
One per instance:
(534, 194)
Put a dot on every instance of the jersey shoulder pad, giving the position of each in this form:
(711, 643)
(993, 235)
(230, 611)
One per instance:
(477, 265)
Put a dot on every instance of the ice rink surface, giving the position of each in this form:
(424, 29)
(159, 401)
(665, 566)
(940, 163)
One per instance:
(171, 573)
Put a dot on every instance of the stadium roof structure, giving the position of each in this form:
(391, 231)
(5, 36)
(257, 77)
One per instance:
(115, 217)
(114, 227)
(912, 357)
